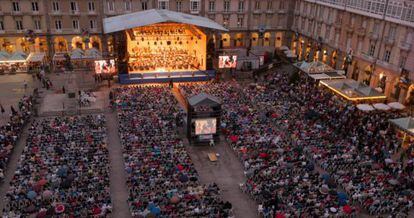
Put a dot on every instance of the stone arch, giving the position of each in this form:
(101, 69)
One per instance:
(279, 40)
(95, 42)
(40, 44)
(239, 39)
(77, 42)
(22, 45)
(266, 39)
(60, 44)
(255, 39)
(225, 40)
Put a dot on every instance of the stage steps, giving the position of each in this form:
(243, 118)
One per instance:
(180, 98)
(162, 77)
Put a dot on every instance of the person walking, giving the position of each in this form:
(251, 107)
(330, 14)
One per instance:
(211, 142)
(2, 109)
(25, 85)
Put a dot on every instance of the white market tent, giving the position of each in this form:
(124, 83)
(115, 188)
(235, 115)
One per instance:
(406, 124)
(396, 105)
(365, 107)
(77, 54)
(289, 54)
(153, 16)
(93, 53)
(353, 90)
(4, 56)
(381, 106)
(314, 67)
(327, 76)
(36, 57)
(17, 57)
(284, 48)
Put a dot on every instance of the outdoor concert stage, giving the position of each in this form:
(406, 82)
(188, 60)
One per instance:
(161, 46)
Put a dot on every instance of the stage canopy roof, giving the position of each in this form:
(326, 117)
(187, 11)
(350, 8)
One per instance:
(406, 124)
(204, 99)
(353, 90)
(153, 16)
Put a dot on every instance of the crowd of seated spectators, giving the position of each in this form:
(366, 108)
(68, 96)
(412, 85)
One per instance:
(162, 179)
(63, 170)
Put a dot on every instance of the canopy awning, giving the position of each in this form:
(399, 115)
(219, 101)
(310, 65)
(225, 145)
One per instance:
(36, 57)
(365, 107)
(154, 16)
(313, 67)
(406, 124)
(17, 57)
(327, 76)
(203, 99)
(381, 106)
(353, 90)
(60, 56)
(396, 105)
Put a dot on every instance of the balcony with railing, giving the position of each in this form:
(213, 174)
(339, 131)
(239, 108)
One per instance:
(388, 40)
(361, 31)
(392, 10)
(406, 46)
(388, 65)
(373, 35)
(349, 28)
(367, 57)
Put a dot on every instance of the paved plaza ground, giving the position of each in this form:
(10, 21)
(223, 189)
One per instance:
(11, 90)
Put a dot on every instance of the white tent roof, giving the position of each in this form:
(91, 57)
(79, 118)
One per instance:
(365, 107)
(36, 57)
(381, 106)
(396, 105)
(153, 16)
(405, 123)
(18, 57)
(93, 53)
(314, 67)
